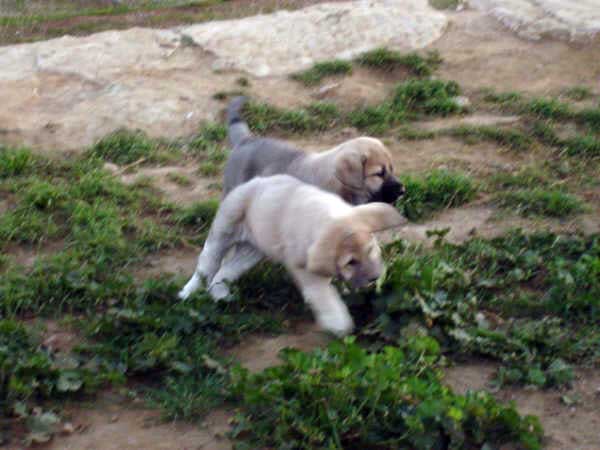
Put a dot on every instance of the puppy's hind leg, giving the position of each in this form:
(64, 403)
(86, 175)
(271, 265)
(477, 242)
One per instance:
(224, 232)
(209, 262)
(242, 258)
(330, 311)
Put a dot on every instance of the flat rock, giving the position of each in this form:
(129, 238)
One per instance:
(284, 42)
(65, 93)
(574, 20)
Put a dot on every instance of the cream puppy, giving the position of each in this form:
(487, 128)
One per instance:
(315, 234)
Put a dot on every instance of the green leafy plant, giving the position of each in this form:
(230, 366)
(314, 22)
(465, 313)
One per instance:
(319, 71)
(389, 60)
(529, 301)
(435, 190)
(540, 201)
(346, 397)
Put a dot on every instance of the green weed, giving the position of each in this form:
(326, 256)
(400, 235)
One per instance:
(315, 117)
(590, 117)
(433, 97)
(179, 179)
(125, 146)
(414, 134)
(506, 137)
(390, 60)
(15, 161)
(322, 70)
(27, 371)
(578, 93)
(542, 202)
(525, 178)
(209, 135)
(503, 98)
(445, 4)
(410, 98)
(456, 292)
(588, 145)
(549, 108)
(345, 397)
(433, 191)
(376, 119)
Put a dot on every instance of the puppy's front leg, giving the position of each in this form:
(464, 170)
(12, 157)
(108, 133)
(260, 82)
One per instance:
(331, 312)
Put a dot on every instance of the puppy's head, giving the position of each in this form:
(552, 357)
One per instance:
(347, 248)
(364, 168)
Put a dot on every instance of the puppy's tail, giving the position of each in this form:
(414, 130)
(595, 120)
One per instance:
(237, 128)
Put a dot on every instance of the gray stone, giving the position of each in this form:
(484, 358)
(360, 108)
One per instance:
(568, 19)
(285, 42)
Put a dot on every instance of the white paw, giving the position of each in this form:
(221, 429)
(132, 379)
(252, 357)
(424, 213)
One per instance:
(219, 291)
(191, 286)
(338, 324)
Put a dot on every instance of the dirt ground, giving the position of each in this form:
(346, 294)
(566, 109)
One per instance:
(478, 53)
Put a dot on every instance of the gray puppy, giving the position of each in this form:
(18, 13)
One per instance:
(359, 170)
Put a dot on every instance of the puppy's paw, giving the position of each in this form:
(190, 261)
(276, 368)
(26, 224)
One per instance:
(219, 291)
(338, 324)
(194, 284)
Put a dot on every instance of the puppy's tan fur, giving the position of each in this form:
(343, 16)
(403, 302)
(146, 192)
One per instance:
(315, 234)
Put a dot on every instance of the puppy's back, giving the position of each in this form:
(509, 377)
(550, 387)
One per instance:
(257, 156)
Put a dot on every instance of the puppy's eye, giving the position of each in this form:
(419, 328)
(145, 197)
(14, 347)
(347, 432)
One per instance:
(381, 173)
(353, 262)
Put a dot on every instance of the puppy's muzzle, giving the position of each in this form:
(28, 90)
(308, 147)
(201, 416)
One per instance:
(390, 191)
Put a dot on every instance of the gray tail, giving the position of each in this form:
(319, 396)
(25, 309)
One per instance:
(237, 128)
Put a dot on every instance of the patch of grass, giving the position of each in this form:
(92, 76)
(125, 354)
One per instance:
(391, 60)
(581, 146)
(445, 4)
(345, 397)
(433, 97)
(15, 161)
(126, 146)
(549, 108)
(578, 93)
(541, 202)
(322, 70)
(410, 98)
(28, 371)
(149, 332)
(209, 146)
(209, 169)
(315, 117)
(376, 119)
(506, 137)
(197, 216)
(525, 178)
(433, 191)
(414, 134)
(179, 179)
(208, 137)
(528, 300)
(503, 98)
(588, 145)
(589, 117)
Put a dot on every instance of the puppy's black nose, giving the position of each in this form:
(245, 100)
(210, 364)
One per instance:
(373, 280)
(391, 190)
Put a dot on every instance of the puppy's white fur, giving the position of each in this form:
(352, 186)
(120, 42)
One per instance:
(315, 234)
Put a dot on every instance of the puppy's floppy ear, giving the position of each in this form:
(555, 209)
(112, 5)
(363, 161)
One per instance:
(349, 168)
(378, 216)
(322, 254)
